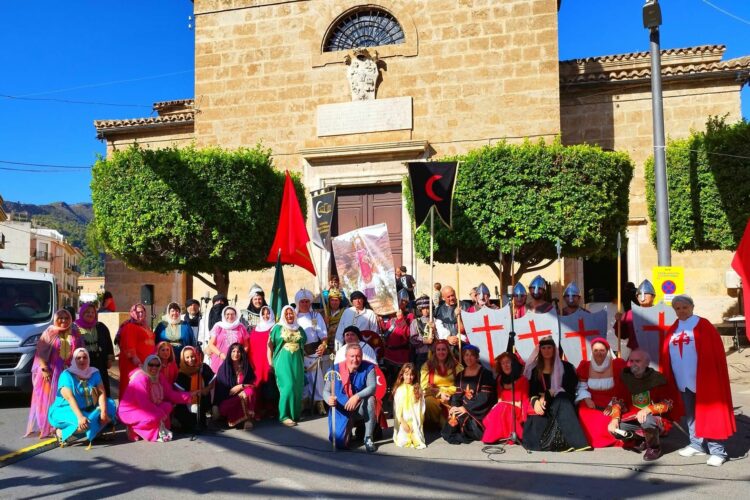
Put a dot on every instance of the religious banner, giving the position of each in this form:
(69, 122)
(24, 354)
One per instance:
(323, 203)
(488, 329)
(650, 325)
(578, 330)
(432, 185)
(364, 262)
(531, 328)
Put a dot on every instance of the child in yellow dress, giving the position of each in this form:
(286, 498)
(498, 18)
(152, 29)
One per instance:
(408, 409)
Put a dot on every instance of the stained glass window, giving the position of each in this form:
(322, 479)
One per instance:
(364, 28)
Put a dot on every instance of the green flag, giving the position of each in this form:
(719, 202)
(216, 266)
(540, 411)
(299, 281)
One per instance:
(278, 291)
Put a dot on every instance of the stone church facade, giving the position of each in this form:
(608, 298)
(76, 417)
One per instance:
(444, 77)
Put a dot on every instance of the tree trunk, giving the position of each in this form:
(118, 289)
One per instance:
(221, 278)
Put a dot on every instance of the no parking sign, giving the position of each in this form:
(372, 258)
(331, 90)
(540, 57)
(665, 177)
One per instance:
(668, 281)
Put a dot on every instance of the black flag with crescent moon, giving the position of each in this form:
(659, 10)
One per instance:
(432, 185)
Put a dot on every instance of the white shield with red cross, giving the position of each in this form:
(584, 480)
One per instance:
(650, 325)
(488, 330)
(577, 332)
(531, 328)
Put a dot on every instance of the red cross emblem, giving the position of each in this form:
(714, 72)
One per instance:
(534, 334)
(582, 333)
(487, 329)
(681, 340)
(662, 328)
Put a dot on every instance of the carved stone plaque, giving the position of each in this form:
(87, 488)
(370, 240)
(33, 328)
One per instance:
(359, 117)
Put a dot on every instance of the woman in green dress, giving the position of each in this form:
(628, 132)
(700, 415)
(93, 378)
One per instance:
(285, 355)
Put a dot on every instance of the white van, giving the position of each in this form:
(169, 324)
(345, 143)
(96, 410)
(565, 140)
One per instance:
(28, 301)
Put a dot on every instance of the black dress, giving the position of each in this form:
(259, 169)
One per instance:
(188, 420)
(558, 429)
(99, 345)
(478, 395)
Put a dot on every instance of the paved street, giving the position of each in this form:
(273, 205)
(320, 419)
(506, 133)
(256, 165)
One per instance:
(275, 462)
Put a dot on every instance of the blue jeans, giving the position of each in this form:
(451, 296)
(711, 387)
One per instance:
(714, 447)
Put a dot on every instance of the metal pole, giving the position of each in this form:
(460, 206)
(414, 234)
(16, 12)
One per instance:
(660, 162)
(432, 250)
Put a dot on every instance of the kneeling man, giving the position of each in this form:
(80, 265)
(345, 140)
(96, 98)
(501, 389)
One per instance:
(353, 397)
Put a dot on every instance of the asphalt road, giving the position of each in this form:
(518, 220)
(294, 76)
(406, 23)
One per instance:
(277, 462)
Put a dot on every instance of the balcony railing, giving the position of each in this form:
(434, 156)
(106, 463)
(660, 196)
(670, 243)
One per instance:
(40, 254)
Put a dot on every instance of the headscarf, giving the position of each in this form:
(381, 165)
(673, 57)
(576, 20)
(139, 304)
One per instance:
(87, 371)
(226, 378)
(557, 366)
(216, 313)
(282, 321)
(81, 322)
(302, 295)
(134, 317)
(155, 390)
(515, 368)
(58, 329)
(168, 319)
(256, 290)
(229, 326)
(423, 302)
(265, 325)
(607, 360)
(184, 367)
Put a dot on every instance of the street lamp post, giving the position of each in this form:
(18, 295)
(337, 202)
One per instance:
(652, 21)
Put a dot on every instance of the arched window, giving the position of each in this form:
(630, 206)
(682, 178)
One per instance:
(366, 27)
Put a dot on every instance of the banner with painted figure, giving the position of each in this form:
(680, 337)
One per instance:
(531, 328)
(364, 262)
(578, 330)
(489, 330)
(650, 325)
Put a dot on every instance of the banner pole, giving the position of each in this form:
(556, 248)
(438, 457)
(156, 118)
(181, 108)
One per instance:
(432, 250)
(619, 295)
(459, 322)
(558, 247)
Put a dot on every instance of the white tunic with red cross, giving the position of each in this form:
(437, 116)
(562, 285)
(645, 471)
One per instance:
(683, 354)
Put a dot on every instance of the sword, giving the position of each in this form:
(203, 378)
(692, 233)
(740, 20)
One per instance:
(331, 376)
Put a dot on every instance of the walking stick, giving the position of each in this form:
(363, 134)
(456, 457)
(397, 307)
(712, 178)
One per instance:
(619, 296)
(331, 376)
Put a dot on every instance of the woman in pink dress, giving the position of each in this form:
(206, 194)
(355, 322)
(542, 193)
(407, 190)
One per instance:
(499, 421)
(267, 394)
(226, 332)
(147, 404)
(54, 353)
(169, 367)
(235, 389)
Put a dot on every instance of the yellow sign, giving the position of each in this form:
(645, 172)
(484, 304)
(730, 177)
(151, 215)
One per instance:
(668, 281)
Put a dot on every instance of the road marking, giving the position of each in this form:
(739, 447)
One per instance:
(29, 451)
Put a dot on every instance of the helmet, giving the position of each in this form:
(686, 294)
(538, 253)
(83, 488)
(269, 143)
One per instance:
(482, 289)
(403, 294)
(572, 290)
(519, 290)
(255, 290)
(537, 284)
(646, 287)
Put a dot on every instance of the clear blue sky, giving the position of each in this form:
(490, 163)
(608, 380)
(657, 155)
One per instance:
(135, 52)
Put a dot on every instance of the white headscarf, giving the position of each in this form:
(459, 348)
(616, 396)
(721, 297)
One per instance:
(168, 319)
(282, 321)
(265, 325)
(557, 370)
(302, 295)
(87, 371)
(229, 326)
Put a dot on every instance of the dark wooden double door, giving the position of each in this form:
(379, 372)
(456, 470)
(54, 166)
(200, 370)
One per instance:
(363, 206)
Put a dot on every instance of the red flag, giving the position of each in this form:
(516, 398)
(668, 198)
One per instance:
(741, 264)
(291, 233)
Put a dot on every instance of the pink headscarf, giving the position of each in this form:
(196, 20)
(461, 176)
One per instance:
(134, 316)
(58, 329)
(82, 322)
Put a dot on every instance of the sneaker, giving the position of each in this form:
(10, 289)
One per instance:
(716, 460)
(689, 451)
(652, 454)
(369, 445)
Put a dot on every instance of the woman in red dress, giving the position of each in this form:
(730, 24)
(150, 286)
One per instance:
(499, 421)
(136, 342)
(598, 383)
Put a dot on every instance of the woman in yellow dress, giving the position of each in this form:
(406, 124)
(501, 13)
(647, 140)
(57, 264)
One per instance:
(438, 384)
(408, 409)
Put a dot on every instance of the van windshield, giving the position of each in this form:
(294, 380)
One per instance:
(25, 301)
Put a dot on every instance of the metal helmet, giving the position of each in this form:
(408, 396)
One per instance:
(572, 290)
(646, 287)
(482, 289)
(255, 290)
(403, 294)
(537, 284)
(519, 290)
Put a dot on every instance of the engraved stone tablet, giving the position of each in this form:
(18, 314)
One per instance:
(358, 117)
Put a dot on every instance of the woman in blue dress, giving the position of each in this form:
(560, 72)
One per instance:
(175, 331)
(82, 407)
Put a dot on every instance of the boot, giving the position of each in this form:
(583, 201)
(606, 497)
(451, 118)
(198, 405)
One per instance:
(653, 447)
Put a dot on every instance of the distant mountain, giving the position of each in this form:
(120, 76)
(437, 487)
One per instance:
(71, 220)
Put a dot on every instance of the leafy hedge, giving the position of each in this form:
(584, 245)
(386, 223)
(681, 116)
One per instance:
(708, 178)
(196, 210)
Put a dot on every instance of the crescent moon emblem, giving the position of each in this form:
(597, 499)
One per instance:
(428, 187)
(317, 214)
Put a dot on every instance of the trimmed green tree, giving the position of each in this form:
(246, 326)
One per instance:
(527, 196)
(708, 183)
(206, 211)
